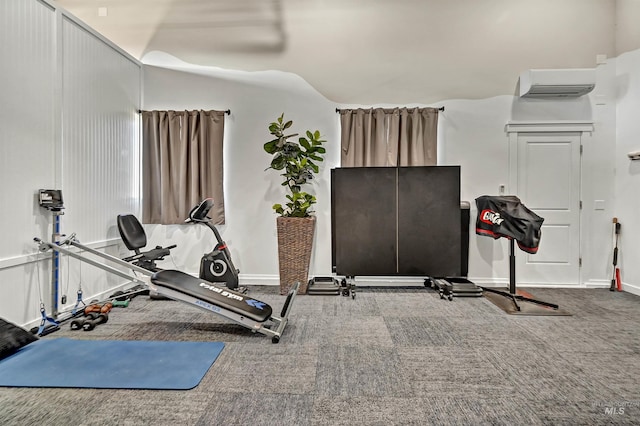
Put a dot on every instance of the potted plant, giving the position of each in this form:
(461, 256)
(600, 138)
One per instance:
(297, 160)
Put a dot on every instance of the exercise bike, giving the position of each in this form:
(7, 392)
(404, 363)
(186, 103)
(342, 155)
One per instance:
(216, 266)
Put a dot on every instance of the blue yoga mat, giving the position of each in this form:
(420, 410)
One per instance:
(109, 364)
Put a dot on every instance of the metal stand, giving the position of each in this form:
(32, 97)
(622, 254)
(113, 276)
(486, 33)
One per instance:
(55, 264)
(51, 199)
(323, 286)
(512, 283)
(348, 286)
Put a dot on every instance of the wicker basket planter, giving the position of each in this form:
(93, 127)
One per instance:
(295, 243)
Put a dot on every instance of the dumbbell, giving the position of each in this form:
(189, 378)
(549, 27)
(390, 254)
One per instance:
(90, 324)
(101, 309)
(89, 321)
(118, 300)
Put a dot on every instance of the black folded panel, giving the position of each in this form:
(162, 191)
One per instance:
(389, 221)
(429, 241)
(363, 219)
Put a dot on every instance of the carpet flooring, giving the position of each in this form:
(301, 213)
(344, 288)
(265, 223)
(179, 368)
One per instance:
(389, 357)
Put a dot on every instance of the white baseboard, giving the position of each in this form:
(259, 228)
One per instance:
(388, 281)
(256, 279)
(597, 284)
(489, 282)
(633, 289)
(251, 279)
(502, 282)
(274, 280)
(628, 287)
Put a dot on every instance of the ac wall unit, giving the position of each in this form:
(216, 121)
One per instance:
(557, 83)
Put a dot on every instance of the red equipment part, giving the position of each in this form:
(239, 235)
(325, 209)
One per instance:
(618, 280)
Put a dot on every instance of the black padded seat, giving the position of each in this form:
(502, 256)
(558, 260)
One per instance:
(134, 237)
(210, 293)
(132, 232)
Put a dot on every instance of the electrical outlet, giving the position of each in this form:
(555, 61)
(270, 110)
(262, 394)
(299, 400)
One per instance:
(635, 155)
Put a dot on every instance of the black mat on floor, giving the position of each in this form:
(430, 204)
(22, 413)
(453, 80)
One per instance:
(526, 308)
(13, 338)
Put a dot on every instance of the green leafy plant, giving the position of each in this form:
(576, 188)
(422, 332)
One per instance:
(298, 161)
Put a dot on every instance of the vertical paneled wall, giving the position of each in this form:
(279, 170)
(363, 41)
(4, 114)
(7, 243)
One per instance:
(27, 148)
(68, 120)
(27, 115)
(100, 92)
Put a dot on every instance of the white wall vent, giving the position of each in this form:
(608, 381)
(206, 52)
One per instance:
(557, 83)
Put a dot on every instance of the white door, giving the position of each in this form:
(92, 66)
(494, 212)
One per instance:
(548, 182)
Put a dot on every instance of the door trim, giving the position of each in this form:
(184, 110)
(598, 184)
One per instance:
(583, 129)
(548, 126)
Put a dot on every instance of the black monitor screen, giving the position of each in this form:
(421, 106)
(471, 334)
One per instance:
(51, 199)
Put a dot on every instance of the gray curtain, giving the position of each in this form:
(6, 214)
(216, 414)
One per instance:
(181, 164)
(389, 137)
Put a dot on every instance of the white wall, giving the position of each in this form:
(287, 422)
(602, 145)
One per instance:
(28, 127)
(255, 100)
(627, 173)
(471, 134)
(67, 121)
(627, 33)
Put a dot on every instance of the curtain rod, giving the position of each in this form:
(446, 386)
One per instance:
(439, 108)
(228, 111)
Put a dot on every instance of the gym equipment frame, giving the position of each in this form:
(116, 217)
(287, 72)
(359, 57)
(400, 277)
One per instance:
(236, 307)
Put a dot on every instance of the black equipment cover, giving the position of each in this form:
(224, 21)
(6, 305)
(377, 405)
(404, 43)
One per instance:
(506, 216)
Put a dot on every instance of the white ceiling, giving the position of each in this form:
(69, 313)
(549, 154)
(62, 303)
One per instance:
(364, 52)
